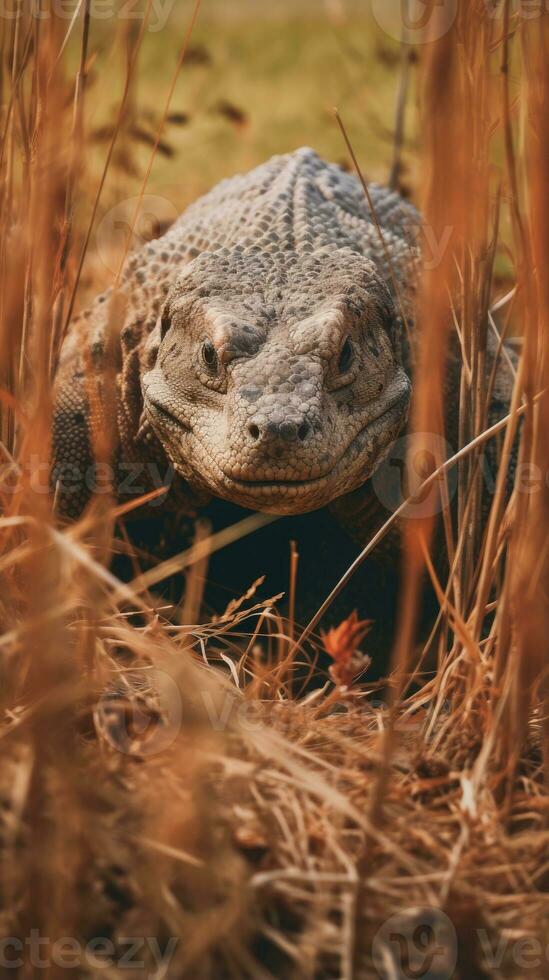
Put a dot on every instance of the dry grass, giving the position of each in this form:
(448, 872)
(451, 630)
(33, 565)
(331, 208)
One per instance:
(164, 780)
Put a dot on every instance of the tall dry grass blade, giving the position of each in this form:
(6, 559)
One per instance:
(401, 306)
(403, 93)
(161, 127)
(526, 670)
(129, 79)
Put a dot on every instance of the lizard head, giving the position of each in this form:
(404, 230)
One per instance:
(275, 384)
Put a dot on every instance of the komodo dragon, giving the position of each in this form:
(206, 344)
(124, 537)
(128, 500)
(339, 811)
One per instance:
(263, 354)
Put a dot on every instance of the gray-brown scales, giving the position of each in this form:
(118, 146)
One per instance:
(262, 358)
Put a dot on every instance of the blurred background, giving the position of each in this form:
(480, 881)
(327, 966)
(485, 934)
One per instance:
(258, 79)
(160, 773)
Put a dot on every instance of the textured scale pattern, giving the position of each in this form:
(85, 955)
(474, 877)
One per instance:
(282, 272)
(257, 353)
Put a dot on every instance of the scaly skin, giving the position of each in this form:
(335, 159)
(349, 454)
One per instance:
(262, 352)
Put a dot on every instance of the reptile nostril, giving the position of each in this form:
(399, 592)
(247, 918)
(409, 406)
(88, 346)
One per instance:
(303, 431)
(288, 431)
(254, 431)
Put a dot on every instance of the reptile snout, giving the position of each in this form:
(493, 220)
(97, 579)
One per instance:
(276, 426)
(288, 430)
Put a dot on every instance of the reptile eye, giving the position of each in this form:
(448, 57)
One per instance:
(209, 355)
(165, 325)
(346, 357)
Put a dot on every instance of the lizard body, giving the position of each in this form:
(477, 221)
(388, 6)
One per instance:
(262, 352)
(262, 358)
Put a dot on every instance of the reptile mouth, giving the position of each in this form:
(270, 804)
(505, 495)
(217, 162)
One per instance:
(262, 484)
(165, 414)
(284, 493)
(303, 486)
